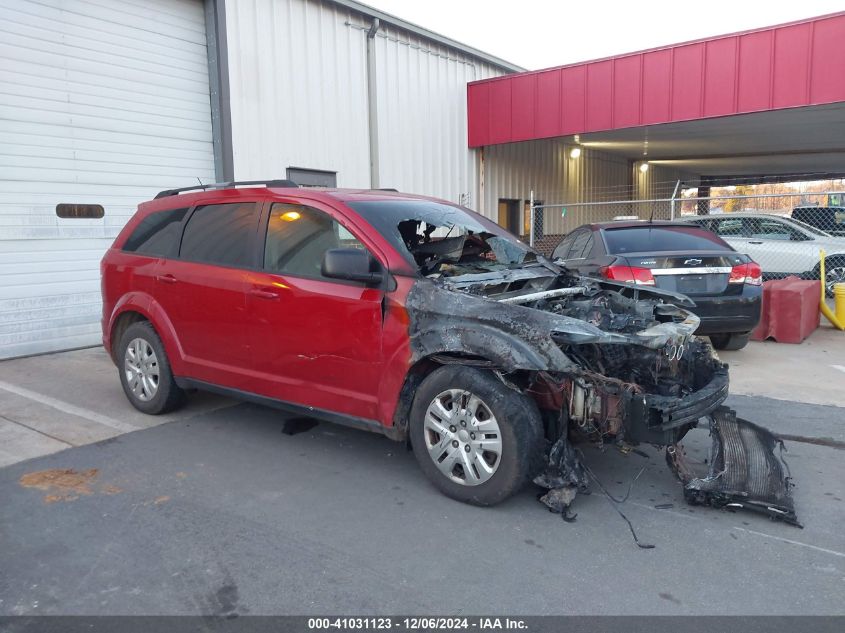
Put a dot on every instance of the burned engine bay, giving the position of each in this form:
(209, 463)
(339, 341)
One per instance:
(609, 364)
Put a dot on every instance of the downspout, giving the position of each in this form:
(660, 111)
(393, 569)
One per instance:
(482, 202)
(372, 103)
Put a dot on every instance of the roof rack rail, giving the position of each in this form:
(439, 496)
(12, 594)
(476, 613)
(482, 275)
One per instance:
(225, 185)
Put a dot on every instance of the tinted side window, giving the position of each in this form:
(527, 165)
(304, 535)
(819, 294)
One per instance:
(729, 227)
(220, 234)
(157, 234)
(579, 246)
(563, 248)
(297, 238)
(766, 229)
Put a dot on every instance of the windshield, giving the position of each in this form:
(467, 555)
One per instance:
(442, 239)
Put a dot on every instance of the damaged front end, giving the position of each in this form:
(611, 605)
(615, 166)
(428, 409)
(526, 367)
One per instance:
(631, 371)
(605, 362)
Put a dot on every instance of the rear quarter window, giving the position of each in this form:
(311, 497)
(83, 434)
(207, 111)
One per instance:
(562, 249)
(656, 239)
(157, 235)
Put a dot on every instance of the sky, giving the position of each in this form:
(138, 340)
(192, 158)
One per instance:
(543, 33)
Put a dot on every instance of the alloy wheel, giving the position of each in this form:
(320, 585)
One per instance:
(833, 276)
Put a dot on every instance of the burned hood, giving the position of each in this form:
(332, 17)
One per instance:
(519, 319)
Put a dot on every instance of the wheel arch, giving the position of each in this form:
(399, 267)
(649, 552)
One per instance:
(418, 372)
(136, 307)
(119, 325)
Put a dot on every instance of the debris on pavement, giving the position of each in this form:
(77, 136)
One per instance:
(743, 469)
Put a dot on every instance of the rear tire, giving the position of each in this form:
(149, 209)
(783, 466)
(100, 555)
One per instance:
(475, 439)
(145, 371)
(730, 342)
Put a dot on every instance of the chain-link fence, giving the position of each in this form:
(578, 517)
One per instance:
(783, 232)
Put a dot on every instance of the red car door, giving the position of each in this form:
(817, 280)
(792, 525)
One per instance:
(315, 341)
(203, 292)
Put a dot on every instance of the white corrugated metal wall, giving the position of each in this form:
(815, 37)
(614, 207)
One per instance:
(298, 81)
(102, 101)
(422, 109)
(297, 77)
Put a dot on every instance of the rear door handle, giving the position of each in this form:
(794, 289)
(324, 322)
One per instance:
(261, 293)
(166, 279)
(753, 242)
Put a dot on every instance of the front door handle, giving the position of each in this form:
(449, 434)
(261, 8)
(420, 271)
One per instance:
(753, 242)
(166, 279)
(261, 293)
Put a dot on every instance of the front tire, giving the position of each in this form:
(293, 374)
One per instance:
(145, 371)
(730, 342)
(834, 274)
(477, 440)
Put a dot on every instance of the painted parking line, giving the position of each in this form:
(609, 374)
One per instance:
(839, 367)
(67, 407)
(682, 515)
(790, 541)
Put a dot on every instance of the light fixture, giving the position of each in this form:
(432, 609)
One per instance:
(290, 216)
(575, 152)
(644, 167)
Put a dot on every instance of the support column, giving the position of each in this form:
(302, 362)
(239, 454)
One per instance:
(702, 207)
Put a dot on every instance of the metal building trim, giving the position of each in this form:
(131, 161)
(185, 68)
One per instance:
(430, 35)
(218, 78)
(773, 68)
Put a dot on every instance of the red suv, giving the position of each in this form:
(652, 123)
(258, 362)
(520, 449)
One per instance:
(404, 315)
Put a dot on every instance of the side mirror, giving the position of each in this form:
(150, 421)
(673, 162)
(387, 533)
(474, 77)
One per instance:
(352, 264)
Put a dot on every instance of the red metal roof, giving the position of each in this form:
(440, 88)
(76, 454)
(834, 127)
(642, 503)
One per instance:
(790, 65)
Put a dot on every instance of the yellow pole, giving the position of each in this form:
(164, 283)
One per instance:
(839, 301)
(837, 319)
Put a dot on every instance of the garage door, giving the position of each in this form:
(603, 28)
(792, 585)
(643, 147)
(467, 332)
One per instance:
(102, 102)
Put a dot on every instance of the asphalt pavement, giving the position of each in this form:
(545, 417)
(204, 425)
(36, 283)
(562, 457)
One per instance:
(222, 513)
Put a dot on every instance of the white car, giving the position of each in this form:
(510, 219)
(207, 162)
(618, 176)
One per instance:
(782, 246)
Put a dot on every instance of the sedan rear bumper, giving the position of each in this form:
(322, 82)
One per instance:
(739, 313)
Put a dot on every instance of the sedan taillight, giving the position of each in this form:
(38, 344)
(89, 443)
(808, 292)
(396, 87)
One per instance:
(749, 273)
(629, 274)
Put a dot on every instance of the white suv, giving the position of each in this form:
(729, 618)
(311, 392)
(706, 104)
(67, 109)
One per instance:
(782, 246)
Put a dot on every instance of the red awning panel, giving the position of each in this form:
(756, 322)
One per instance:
(797, 64)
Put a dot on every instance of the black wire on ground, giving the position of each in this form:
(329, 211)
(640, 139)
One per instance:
(614, 501)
